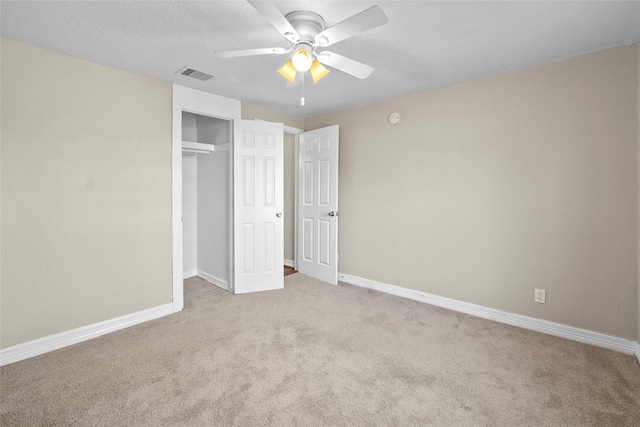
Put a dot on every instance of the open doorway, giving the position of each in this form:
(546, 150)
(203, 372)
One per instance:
(214, 112)
(290, 197)
(206, 199)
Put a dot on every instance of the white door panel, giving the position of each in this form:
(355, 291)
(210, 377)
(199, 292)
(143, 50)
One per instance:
(258, 205)
(318, 199)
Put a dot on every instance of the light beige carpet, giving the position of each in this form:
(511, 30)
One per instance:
(320, 355)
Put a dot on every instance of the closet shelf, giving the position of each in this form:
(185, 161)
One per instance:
(196, 147)
(200, 148)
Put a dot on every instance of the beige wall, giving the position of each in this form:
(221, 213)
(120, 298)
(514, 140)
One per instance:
(491, 188)
(86, 193)
(251, 112)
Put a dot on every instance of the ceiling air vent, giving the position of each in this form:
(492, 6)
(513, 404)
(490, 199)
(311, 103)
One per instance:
(194, 74)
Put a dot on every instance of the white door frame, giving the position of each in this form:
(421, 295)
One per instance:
(195, 101)
(295, 132)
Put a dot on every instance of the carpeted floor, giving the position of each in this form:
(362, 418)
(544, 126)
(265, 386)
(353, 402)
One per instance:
(320, 355)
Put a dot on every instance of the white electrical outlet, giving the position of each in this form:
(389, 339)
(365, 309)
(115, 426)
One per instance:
(540, 296)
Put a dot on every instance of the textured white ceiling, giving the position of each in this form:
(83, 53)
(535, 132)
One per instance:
(425, 44)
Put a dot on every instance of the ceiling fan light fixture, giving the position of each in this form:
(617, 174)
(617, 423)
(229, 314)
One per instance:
(288, 71)
(302, 60)
(317, 71)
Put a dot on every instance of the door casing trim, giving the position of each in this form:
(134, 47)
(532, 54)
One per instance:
(195, 101)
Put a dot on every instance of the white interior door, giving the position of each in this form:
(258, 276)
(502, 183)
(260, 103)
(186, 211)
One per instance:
(317, 223)
(258, 205)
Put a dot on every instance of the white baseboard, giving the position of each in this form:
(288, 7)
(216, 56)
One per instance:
(290, 263)
(638, 352)
(188, 274)
(214, 280)
(556, 329)
(63, 339)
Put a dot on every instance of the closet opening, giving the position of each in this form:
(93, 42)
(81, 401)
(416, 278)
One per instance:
(206, 198)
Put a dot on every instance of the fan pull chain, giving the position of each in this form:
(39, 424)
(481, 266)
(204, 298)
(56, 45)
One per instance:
(302, 97)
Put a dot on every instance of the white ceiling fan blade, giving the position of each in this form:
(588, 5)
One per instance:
(344, 64)
(359, 23)
(276, 18)
(252, 52)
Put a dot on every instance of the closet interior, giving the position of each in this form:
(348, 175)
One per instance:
(206, 198)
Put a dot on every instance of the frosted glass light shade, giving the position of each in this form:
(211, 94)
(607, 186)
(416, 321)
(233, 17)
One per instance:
(317, 71)
(288, 71)
(302, 60)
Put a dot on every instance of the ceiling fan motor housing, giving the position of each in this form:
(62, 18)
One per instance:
(307, 24)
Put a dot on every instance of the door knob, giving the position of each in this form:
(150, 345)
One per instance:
(279, 214)
(333, 213)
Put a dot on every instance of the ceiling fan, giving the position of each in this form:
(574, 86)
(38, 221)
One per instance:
(306, 33)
